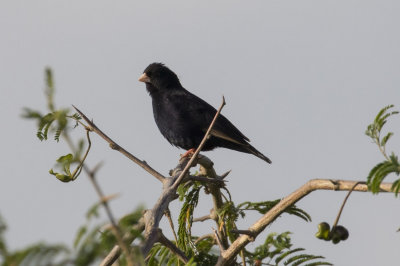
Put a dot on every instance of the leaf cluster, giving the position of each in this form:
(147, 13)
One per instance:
(277, 250)
(391, 163)
(228, 215)
(56, 121)
(35, 254)
(92, 243)
(265, 206)
(190, 196)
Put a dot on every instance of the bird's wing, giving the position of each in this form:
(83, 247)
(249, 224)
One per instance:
(222, 135)
(203, 113)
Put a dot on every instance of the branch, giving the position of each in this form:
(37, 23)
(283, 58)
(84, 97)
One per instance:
(207, 169)
(116, 251)
(218, 182)
(221, 247)
(174, 249)
(92, 177)
(202, 218)
(115, 146)
(316, 184)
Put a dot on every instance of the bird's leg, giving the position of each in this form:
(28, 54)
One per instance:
(189, 153)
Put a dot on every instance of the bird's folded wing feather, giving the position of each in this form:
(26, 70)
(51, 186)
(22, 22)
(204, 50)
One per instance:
(203, 113)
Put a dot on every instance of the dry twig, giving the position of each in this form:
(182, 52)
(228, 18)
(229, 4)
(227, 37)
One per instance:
(115, 146)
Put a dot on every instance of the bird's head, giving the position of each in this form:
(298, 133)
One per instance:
(158, 78)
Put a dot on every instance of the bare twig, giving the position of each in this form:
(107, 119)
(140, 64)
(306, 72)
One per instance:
(202, 218)
(92, 177)
(115, 146)
(115, 228)
(217, 182)
(243, 257)
(316, 184)
(171, 223)
(218, 239)
(116, 251)
(174, 249)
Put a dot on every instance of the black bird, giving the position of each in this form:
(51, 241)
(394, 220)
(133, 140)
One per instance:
(183, 118)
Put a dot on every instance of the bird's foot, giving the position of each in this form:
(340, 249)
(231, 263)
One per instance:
(189, 153)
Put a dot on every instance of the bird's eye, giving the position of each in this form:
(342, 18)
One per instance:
(148, 73)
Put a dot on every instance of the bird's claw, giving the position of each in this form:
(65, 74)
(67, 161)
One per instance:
(188, 154)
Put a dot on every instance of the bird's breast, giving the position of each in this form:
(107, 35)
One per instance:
(172, 121)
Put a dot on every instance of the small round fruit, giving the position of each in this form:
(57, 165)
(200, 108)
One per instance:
(323, 231)
(342, 231)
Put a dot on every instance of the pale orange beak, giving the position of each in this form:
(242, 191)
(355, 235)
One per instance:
(144, 78)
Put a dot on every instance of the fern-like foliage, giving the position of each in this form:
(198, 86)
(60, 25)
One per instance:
(190, 196)
(55, 120)
(160, 255)
(264, 206)
(35, 254)
(93, 242)
(277, 250)
(391, 163)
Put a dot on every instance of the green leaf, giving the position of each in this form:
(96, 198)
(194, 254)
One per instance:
(386, 138)
(185, 219)
(93, 211)
(278, 247)
(396, 187)
(264, 206)
(66, 158)
(82, 231)
(31, 114)
(49, 91)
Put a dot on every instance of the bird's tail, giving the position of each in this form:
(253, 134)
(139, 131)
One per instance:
(254, 151)
(245, 147)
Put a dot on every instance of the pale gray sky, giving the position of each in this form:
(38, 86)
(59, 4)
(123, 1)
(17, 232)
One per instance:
(302, 79)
